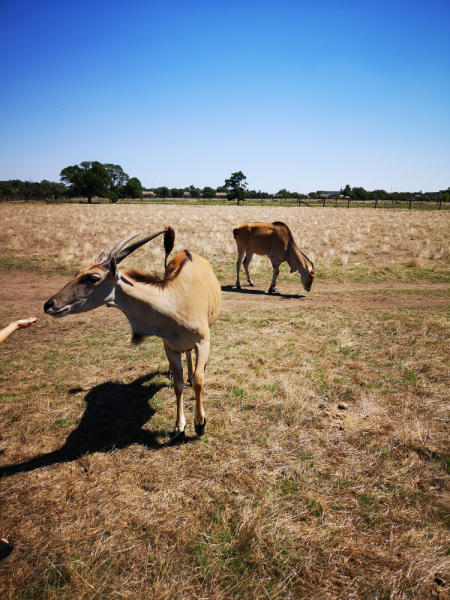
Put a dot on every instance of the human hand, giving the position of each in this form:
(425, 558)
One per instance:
(25, 322)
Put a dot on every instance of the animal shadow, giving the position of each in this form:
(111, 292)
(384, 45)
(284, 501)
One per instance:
(114, 417)
(254, 291)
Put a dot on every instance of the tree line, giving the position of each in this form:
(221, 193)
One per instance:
(89, 179)
(92, 179)
(359, 193)
(236, 189)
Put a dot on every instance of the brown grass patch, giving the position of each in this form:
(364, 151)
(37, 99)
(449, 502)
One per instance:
(339, 241)
(324, 472)
(416, 262)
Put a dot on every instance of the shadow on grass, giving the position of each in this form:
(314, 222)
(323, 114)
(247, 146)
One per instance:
(253, 291)
(114, 416)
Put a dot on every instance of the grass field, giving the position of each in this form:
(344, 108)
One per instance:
(325, 470)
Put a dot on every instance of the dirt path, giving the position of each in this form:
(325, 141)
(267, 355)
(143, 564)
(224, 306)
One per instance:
(23, 289)
(351, 296)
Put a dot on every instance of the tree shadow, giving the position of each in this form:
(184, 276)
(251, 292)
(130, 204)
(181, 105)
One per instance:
(254, 291)
(114, 417)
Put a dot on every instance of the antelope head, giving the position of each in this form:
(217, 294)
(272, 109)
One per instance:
(307, 276)
(305, 267)
(94, 286)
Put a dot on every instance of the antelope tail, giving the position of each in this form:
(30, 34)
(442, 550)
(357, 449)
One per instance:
(169, 241)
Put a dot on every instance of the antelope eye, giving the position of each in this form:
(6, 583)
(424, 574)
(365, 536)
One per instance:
(93, 278)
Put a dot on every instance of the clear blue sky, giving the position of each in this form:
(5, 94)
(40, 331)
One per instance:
(297, 94)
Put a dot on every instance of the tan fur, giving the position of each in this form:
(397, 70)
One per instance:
(180, 308)
(173, 269)
(276, 241)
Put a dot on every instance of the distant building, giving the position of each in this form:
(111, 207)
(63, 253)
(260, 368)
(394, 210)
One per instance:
(152, 194)
(221, 194)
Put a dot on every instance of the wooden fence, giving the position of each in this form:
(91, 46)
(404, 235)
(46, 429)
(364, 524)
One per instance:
(324, 202)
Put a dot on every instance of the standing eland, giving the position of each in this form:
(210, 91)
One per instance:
(179, 308)
(274, 240)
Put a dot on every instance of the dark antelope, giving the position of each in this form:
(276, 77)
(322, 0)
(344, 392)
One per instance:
(180, 308)
(274, 240)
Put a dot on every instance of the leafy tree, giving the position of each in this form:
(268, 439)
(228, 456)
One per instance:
(359, 193)
(133, 188)
(381, 194)
(236, 186)
(176, 193)
(194, 192)
(284, 193)
(87, 179)
(222, 190)
(347, 190)
(118, 176)
(51, 188)
(7, 189)
(118, 181)
(208, 192)
(58, 190)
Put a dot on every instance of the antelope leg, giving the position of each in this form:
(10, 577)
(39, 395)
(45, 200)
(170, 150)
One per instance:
(238, 266)
(178, 384)
(273, 285)
(189, 365)
(202, 353)
(248, 258)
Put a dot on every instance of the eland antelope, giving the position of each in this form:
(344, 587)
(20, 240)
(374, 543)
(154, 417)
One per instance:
(180, 308)
(274, 240)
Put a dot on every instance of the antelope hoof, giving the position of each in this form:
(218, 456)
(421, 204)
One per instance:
(251, 283)
(170, 375)
(190, 382)
(177, 435)
(200, 429)
(238, 286)
(273, 290)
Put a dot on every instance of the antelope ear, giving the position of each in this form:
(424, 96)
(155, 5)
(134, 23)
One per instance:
(101, 256)
(112, 267)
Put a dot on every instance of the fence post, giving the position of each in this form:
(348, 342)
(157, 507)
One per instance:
(410, 204)
(348, 202)
(323, 202)
(440, 202)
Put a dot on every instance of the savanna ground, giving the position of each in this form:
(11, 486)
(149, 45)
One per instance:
(324, 472)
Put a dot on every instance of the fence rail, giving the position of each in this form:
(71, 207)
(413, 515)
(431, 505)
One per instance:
(411, 203)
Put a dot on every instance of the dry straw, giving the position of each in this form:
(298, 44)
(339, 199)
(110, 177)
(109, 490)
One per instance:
(325, 469)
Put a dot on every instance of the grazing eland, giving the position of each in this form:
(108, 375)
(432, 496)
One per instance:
(274, 240)
(179, 308)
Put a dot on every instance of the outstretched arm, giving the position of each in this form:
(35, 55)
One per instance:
(12, 327)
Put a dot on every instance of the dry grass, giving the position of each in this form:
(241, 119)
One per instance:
(325, 469)
(368, 244)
